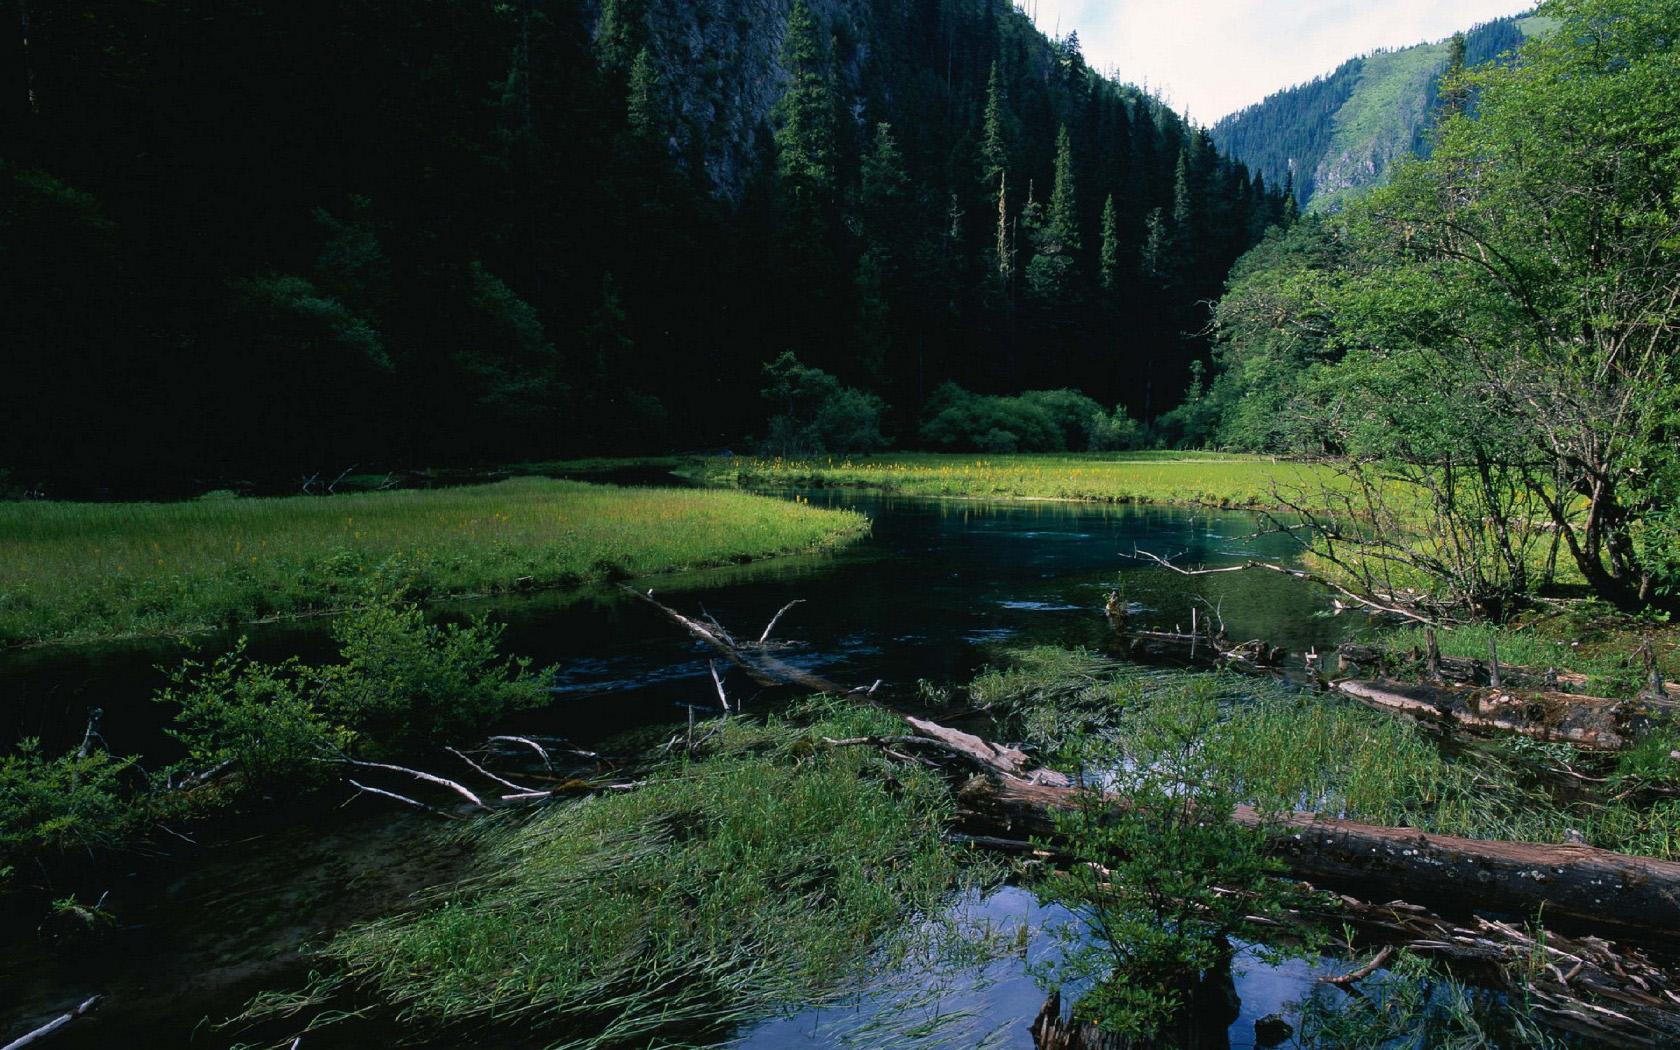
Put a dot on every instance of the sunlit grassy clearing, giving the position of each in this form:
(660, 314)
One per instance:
(73, 571)
(1206, 479)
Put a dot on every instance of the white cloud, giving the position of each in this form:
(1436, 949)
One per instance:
(1210, 57)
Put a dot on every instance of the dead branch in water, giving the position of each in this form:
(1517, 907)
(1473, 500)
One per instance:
(55, 1024)
(1578, 882)
(1299, 574)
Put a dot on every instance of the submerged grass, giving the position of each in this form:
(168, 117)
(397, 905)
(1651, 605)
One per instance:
(78, 571)
(1282, 749)
(765, 877)
(1195, 478)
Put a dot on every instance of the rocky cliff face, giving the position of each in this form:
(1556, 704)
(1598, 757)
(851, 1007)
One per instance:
(722, 64)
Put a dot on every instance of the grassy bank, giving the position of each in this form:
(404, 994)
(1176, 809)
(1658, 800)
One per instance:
(1195, 478)
(78, 571)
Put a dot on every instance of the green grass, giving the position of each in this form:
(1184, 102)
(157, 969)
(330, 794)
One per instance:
(80, 571)
(1285, 750)
(1193, 478)
(769, 875)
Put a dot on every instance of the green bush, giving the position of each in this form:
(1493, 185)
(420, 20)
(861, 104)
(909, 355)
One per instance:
(400, 683)
(55, 807)
(1036, 421)
(815, 414)
(404, 682)
(259, 720)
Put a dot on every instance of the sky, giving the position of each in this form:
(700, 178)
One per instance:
(1210, 57)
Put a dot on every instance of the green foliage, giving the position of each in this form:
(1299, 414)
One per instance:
(817, 414)
(1056, 241)
(260, 720)
(759, 879)
(399, 683)
(1162, 883)
(402, 682)
(1036, 421)
(1500, 338)
(54, 808)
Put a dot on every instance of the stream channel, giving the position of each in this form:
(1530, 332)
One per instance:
(939, 590)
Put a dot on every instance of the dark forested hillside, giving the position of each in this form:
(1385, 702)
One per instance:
(1341, 132)
(250, 241)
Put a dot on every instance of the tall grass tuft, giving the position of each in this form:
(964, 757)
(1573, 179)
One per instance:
(763, 878)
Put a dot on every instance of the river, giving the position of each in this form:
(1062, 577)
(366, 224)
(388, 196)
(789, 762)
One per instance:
(939, 589)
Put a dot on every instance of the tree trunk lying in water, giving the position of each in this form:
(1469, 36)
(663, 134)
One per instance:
(1581, 883)
(1593, 723)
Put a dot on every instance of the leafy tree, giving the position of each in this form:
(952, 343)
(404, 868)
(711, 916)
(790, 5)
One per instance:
(815, 414)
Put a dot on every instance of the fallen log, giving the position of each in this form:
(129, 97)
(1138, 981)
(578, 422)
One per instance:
(1593, 723)
(1574, 882)
(1586, 985)
(1590, 886)
(1375, 661)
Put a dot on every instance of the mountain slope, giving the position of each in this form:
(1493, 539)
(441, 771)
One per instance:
(1341, 132)
(251, 242)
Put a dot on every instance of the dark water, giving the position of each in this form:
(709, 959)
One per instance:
(939, 590)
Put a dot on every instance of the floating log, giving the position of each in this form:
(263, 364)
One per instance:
(1584, 884)
(1573, 882)
(1374, 661)
(1593, 723)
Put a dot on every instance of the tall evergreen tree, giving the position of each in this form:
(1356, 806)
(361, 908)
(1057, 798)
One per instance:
(1108, 257)
(1056, 242)
(994, 147)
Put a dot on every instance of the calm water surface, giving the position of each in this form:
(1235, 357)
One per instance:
(939, 590)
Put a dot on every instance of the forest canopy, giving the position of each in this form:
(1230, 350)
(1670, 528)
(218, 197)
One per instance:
(252, 242)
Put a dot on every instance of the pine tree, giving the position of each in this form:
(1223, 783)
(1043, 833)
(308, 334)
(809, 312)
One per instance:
(643, 104)
(1108, 258)
(1064, 209)
(1182, 212)
(1155, 248)
(1056, 243)
(805, 139)
(618, 33)
(994, 150)
(1454, 95)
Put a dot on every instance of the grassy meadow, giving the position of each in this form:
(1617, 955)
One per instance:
(1190, 478)
(83, 571)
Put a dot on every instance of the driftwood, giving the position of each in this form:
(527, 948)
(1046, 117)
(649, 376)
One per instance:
(1583, 984)
(1572, 882)
(1374, 661)
(1583, 884)
(54, 1025)
(1593, 723)
(1393, 608)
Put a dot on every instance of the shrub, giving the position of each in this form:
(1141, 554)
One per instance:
(815, 414)
(404, 682)
(400, 683)
(54, 807)
(1036, 421)
(260, 720)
